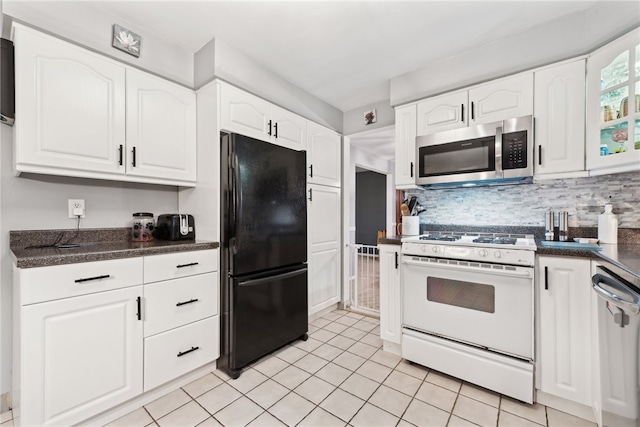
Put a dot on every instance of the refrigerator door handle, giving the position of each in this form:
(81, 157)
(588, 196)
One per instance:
(254, 282)
(236, 195)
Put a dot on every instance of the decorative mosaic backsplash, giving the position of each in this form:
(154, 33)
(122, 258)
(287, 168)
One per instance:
(525, 204)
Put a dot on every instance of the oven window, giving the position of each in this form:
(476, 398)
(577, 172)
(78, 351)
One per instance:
(474, 296)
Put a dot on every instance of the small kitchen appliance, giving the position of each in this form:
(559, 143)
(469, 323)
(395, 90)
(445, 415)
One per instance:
(549, 232)
(468, 302)
(563, 226)
(175, 227)
(487, 154)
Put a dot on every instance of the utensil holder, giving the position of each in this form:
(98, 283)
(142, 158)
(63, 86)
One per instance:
(410, 225)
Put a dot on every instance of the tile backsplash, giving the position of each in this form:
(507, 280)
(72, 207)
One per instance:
(525, 204)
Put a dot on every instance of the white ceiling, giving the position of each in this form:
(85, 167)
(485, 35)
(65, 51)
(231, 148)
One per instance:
(343, 52)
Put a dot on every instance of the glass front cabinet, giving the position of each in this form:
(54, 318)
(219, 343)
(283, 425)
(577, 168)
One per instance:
(613, 106)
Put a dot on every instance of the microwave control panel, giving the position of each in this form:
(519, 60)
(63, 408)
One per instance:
(514, 150)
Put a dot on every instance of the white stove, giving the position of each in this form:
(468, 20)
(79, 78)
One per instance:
(515, 249)
(468, 302)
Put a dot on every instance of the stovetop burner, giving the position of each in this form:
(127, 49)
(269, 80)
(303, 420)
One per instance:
(440, 237)
(496, 240)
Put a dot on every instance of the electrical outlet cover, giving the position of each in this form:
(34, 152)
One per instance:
(76, 206)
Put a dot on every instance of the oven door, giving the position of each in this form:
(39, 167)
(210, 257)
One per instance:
(486, 305)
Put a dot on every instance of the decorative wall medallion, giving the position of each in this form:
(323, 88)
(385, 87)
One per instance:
(126, 40)
(370, 117)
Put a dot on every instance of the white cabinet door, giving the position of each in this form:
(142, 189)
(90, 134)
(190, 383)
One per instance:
(502, 99)
(161, 128)
(559, 111)
(324, 246)
(613, 107)
(443, 113)
(80, 356)
(244, 113)
(323, 155)
(70, 111)
(390, 297)
(406, 145)
(563, 324)
(288, 129)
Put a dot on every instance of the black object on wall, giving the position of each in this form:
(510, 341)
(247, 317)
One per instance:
(371, 199)
(7, 83)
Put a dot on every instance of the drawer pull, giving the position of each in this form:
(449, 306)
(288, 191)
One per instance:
(186, 302)
(104, 276)
(186, 265)
(182, 353)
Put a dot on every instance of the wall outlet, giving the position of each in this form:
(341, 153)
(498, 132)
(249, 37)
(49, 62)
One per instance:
(76, 207)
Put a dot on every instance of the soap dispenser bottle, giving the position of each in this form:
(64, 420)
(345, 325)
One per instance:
(608, 226)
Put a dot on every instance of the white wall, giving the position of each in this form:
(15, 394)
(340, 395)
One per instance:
(91, 27)
(218, 59)
(554, 41)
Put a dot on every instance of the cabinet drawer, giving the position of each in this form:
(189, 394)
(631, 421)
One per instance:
(179, 264)
(178, 351)
(174, 303)
(62, 281)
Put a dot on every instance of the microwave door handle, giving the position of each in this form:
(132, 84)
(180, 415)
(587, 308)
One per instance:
(498, 153)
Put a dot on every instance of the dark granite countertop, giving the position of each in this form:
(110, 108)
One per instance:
(624, 256)
(34, 248)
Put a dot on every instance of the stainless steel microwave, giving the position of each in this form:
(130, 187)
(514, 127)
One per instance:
(490, 153)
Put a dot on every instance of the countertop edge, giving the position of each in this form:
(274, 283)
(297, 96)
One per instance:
(75, 258)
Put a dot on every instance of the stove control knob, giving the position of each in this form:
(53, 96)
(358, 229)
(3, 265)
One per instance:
(423, 248)
(498, 254)
(435, 249)
(483, 253)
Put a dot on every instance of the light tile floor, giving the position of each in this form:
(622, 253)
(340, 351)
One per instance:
(339, 377)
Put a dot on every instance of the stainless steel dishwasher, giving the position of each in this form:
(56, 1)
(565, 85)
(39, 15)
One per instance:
(618, 313)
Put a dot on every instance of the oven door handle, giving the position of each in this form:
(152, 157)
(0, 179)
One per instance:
(630, 306)
(461, 268)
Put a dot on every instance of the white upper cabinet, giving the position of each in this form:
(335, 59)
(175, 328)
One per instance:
(74, 119)
(323, 155)
(501, 99)
(443, 112)
(489, 102)
(560, 118)
(613, 106)
(249, 115)
(161, 128)
(406, 146)
(70, 107)
(289, 130)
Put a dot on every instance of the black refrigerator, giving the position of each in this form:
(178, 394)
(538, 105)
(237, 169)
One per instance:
(263, 292)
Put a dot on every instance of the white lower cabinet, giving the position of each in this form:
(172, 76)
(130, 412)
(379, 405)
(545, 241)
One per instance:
(80, 356)
(390, 295)
(178, 351)
(564, 328)
(100, 335)
(324, 246)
